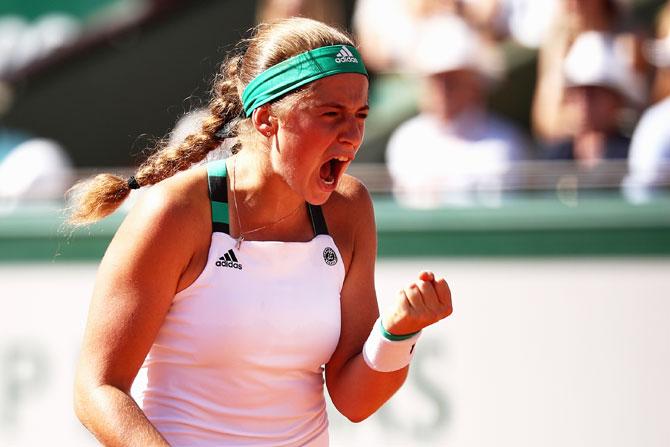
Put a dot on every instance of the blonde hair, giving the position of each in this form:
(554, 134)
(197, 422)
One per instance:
(269, 44)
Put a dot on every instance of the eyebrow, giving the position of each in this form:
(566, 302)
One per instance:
(335, 105)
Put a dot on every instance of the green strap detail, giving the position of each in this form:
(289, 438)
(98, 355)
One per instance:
(219, 212)
(389, 336)
(217, 169)
(218, 192)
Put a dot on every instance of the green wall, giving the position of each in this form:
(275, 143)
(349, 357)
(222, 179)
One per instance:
(525, 226)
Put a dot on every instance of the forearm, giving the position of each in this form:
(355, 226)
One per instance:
(115, 419)
(359, 391)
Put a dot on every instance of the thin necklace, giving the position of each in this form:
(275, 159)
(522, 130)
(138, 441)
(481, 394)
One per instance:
(240, 238)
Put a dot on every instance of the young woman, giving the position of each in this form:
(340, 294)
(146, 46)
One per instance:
(234, 283)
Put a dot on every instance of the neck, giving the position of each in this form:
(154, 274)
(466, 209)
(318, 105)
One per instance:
(466, 121)
(262, 195)
(589, 148)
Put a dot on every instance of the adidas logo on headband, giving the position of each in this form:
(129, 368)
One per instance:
(345, 56)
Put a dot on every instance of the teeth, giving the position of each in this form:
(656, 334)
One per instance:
(341, 158)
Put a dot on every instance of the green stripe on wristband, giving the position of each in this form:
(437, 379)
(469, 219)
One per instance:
(389, 336)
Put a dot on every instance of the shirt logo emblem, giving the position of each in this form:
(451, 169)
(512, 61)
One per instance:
(229, 260)
(329, 256)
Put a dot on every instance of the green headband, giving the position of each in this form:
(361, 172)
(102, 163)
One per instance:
(299, 70)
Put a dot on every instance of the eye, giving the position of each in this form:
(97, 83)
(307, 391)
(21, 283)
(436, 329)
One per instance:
(331, 113)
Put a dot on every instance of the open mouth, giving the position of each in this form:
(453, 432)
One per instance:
(332, 170)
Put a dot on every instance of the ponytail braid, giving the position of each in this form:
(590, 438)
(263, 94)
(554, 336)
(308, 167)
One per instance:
(100, 196)
(270, 44)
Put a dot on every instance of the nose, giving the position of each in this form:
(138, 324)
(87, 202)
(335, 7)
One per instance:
(352, 132)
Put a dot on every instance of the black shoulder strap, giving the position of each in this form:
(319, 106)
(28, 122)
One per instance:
(218, 196)
(318, 221)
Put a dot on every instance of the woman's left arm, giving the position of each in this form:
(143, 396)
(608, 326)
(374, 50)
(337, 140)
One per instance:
(356, 390)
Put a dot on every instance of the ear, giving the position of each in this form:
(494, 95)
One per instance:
(264, 121)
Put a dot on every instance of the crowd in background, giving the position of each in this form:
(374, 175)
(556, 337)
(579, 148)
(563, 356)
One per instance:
(594, 73)
(602, 93)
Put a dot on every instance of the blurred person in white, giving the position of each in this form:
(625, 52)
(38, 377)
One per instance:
(35, 169)
(599, 84)
(573, 18)
(656, 52)
(455, 152)
(388, 30)
(526, 21)
(25, 42)
(649, 158)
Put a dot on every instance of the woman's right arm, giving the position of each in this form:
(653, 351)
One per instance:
(138, 277)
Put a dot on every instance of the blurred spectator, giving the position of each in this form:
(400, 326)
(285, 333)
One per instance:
(455, 151)
(526, 21)
(322, 10)
(598, 83)
(574, 18)
(387, 30)
(649, 160)
(23, 43)
(658, 55)
(35, 169)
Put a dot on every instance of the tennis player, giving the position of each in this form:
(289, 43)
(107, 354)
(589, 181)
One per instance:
(235, 286)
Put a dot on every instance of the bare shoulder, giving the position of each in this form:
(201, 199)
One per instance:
(177, 204)
(177, 196)
(350, 197)
(169, 216)
(170, 221)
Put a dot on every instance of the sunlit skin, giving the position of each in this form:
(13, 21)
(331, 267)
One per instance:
(452, 93)
(329, 121)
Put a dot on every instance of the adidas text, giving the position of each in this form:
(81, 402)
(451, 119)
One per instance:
(339, 60)
(233, 265)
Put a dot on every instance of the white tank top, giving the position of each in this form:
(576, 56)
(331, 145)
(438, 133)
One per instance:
(239, 359)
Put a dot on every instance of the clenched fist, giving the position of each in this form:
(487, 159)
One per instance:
(420, 304)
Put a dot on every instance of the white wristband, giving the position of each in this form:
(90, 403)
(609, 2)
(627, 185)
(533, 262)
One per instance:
(384, 355)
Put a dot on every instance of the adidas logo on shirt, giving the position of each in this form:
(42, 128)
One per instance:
(345, 55)
(229, 260)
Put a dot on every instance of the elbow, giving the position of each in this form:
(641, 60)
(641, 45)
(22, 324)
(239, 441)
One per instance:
(356, 413)
(356, 418)
(83, 398)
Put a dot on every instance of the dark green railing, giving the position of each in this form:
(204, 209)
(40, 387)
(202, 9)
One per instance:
(603, 225)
